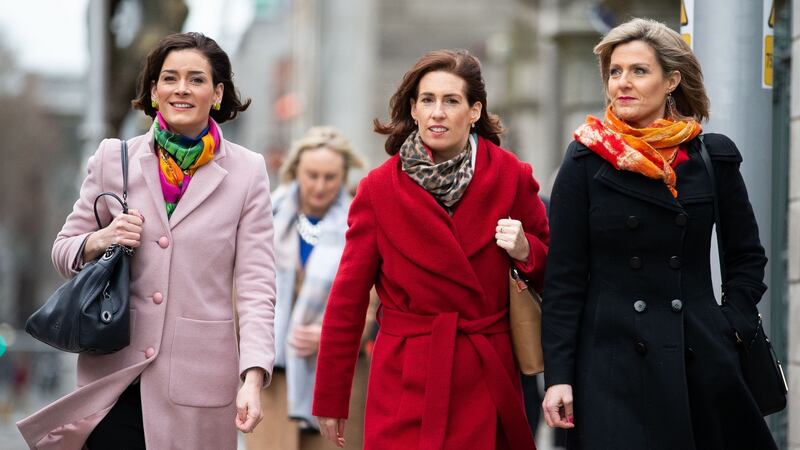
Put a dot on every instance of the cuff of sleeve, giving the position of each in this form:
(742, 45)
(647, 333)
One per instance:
(554, 376)
(78, 262)
(267, 375)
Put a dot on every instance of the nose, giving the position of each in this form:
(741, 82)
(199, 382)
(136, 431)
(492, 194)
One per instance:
(183, 87)
(624, 79)
(438, 111)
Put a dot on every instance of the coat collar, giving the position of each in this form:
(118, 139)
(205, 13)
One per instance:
(205, 180)
(692, 183)
(419, 228)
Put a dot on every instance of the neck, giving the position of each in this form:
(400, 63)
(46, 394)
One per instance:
(440, 156)
(319, 213)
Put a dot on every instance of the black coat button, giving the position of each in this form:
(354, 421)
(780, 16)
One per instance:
(689, 354)
(677, 305)
(635, 262)
(675, 262)
(640, 306)
(632, 222)
(681, 220)
(641, 348)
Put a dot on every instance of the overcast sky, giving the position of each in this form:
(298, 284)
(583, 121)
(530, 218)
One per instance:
(50, 36)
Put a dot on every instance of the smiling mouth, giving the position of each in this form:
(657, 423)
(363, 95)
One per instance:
(437, 129)
(181, 105)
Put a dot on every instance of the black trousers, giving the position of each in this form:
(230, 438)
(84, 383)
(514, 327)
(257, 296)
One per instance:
(121, 428)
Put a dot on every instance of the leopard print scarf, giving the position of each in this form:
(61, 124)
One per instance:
(446, 181)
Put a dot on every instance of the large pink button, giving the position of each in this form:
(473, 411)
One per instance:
(149, 352)
(163, 242)
(158, 297)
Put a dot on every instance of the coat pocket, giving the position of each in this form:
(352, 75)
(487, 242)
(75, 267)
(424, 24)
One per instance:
(203, 363)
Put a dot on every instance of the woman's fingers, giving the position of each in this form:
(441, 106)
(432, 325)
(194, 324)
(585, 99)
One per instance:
(558, 407)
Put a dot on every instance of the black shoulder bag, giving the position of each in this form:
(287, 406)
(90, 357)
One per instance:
(90, 313)
(761, 368)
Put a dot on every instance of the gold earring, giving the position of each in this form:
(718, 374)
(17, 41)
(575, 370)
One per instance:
(670, 107)
(217, 106)
(154, 103)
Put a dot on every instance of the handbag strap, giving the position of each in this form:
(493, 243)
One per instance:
(717, 222)
(124, 200)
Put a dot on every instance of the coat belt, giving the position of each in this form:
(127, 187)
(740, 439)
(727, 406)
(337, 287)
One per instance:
(443, 329)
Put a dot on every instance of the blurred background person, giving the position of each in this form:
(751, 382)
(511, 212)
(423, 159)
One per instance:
(638, 354)
(435, 229)
(310, 218)
(201, 225)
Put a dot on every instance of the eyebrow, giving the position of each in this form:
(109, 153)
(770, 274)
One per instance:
(446, 95)
(191, 72)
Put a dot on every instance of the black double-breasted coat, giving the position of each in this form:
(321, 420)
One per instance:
(630, 318)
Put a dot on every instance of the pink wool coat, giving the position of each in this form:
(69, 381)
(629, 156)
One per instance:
(183, 339)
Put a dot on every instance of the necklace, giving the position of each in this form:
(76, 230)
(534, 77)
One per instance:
(309, 232)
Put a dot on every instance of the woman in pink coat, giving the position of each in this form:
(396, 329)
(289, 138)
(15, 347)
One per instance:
(201, 224)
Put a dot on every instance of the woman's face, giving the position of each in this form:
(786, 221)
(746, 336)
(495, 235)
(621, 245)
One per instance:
(320, 177)
(185, 91)
(443, 113)
(637, 85)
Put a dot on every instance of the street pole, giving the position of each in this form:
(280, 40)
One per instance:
(727, 38)
(95, 127)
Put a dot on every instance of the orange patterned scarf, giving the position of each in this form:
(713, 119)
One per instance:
(648, 151)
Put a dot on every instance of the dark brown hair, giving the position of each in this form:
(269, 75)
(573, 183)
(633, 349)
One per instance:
(672, 52)
(457, 62)
(221, 72)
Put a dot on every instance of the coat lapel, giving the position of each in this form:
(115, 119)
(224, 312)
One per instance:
(637, 185)
(148, 164)
(488, 198)
(694, 185)
(204, 182)
(419, 228)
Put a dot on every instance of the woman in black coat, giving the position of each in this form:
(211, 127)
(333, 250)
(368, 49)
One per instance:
(631, 329)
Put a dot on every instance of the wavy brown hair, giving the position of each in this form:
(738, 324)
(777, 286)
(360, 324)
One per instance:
(456, 62)
(221, 72)
(672, 52)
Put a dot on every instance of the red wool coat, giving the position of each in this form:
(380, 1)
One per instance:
(443, 375)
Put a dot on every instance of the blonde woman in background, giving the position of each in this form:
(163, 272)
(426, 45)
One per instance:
(310, 217)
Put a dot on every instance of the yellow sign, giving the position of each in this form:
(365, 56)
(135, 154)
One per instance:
(768, 60)
(767, 42)
(684, 17)
(687, 21)
(687, 38)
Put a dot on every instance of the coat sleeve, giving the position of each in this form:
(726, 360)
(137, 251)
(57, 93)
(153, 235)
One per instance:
(254, 278)
(529, 209)
(67, 253)
(567, 274)
(346, 311)
(745, 258)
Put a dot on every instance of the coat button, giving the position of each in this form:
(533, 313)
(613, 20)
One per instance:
(675, 262)
(163, 242)
(689, 354)
(681, 220)
(149, 352)
(632, 222)
(640, 306)
(677, 305)
(158, 297)
(635, 262)
(641, 348)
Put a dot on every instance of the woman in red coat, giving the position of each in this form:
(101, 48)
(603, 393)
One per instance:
(435, 229)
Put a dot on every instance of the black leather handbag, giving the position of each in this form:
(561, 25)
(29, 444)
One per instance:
(761, 368)
(90, 313)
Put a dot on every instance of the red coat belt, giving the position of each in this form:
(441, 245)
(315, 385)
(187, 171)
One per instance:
(443, 329)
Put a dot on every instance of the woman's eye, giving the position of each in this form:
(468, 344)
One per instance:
(614, 72)
(452, 101)
(426, 100)
(198, 80)
(639, 71)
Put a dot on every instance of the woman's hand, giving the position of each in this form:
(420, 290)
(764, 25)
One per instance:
(248, 401)
(557, 406)
(125, 229)
(305, 339)
(511, 237)
(332, 429)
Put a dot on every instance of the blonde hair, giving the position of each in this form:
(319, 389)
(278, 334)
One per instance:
(319, 137)
(672, 52)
